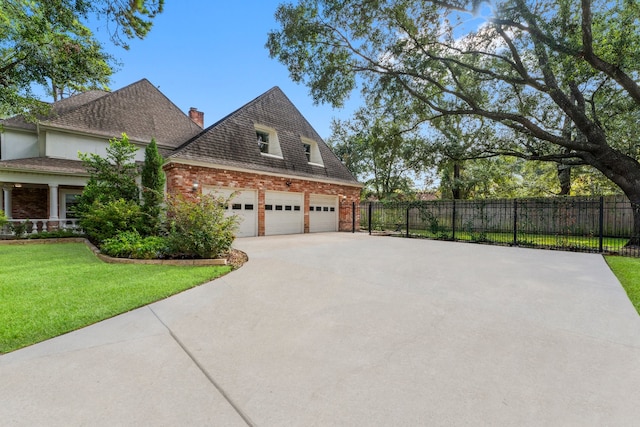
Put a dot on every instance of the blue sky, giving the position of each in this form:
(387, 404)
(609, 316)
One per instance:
(211, 55)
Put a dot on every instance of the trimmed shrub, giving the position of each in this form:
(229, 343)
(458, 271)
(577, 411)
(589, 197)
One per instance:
(131, 245)
(198, 227)
(103, 221)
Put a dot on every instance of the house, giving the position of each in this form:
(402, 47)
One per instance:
(283, 176)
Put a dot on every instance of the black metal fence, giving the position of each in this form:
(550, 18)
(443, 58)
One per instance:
(602, 224)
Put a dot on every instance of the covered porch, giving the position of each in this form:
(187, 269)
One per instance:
(39, 194)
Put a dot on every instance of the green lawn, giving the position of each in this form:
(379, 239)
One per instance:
(526, 239)
(628, 272)
(48, 290)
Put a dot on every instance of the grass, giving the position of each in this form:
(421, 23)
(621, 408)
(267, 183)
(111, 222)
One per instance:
(528, 239)
(48, 290)
(628, 272)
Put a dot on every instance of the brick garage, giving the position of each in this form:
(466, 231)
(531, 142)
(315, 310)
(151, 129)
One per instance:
(181, 177)
(270, 153)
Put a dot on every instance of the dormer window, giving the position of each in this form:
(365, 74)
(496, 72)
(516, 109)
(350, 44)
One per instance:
(312, 152)
(267, 140)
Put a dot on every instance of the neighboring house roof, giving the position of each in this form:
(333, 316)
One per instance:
(140, 110)
(232, 141)
(44, 165)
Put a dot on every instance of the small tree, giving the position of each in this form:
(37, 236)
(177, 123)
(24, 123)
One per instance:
(198, 228)
(112, 177)
(152, 187)
(110, 203)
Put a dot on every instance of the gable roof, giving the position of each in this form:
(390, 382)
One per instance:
(232, 141)
(140, 110)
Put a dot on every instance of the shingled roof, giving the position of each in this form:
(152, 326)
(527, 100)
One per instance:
(57, 108)
(140, 110)
(232, 141)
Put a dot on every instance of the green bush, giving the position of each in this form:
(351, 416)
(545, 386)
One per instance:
(104, 221)
(20, 229)
(131, 245)
(54, 234)
(198, 227)
(3, 219)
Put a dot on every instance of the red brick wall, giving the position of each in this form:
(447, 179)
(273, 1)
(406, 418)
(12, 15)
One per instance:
(180, 179)
(31, 203)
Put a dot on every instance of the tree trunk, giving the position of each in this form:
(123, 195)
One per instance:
(624, 171)
(564, 176)
(455, 185)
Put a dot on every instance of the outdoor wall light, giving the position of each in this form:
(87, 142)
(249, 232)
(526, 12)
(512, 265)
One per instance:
(194, 186)
(288, 183)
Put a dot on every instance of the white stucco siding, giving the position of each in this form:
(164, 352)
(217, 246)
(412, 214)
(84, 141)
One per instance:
(18, 145)
(66, 146)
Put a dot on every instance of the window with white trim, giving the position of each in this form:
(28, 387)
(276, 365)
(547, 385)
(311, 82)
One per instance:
(68, 198)
(267, 140)
(312, 152)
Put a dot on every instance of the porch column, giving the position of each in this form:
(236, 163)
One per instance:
(6, 195)
(53, 202)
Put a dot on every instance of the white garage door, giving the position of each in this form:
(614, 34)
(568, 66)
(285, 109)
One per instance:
(244, 205)
(323, 213)
(283, 213)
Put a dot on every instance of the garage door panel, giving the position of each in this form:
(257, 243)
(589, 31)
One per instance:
(244, 205)
(283, 213)
(323, 213)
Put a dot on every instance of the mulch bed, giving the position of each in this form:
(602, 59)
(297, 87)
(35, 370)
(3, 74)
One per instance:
(236, 258)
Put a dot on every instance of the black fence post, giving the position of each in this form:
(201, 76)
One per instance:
(515, 222)
(601, 224)
(353, 217)
(370, 210)
(407, 223)
(453, 221)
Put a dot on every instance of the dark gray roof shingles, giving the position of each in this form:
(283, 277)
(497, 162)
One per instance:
(232, 141)
(140, 110)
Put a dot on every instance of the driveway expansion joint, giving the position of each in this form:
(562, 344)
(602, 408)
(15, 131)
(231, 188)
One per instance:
(209, 377)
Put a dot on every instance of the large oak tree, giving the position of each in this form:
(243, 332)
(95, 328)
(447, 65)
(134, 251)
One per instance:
(47, 43)
(560, 79)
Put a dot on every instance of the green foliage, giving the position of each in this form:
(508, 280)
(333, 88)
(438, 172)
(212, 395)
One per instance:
(55, 234)
(103, 221)
(47, 43)
(3, 219)
(131, 245)
(21, 228)
(198, 228)
(112, 177)
(152, 187)
(555, 80)
(379, 148)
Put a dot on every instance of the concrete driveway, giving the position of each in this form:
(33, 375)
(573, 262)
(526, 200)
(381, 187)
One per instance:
(352, 330)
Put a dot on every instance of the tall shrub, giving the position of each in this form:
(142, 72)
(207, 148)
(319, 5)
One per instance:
(152, 187)
(198, 227)
(109, 203)
(112, 177)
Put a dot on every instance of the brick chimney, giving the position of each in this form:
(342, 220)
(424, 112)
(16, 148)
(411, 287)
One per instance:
(196, 116)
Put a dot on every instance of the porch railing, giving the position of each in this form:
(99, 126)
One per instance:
(23, 227)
